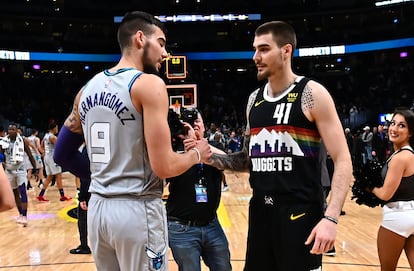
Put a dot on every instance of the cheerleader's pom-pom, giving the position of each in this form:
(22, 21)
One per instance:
(366, 178)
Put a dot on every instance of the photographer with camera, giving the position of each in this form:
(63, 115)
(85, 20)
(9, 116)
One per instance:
(193, 227)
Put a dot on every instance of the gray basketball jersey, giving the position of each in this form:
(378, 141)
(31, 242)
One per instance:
(114, 136)
(32, 140)
(49, 146)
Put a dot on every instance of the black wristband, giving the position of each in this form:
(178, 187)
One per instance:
(332, 219)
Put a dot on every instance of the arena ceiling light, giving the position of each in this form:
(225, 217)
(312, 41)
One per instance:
(391, 2)
(209, 18)
(184, 18)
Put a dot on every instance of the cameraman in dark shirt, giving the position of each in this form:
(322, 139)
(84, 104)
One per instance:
(193, 228)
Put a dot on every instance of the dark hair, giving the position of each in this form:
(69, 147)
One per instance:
(51, 126)
(409, 118)
(134, 21)
(14, 124)
(282, 32)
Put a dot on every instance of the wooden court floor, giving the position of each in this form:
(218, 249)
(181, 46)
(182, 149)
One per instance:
(44, 244)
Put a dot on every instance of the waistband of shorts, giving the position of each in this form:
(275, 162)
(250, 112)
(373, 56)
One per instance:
(278, 198)
(401, 205)
(125, 196)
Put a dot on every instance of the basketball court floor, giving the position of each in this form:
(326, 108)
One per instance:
(52, 231)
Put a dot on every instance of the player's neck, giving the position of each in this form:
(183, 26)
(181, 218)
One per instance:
(125, 62)
(277, 87)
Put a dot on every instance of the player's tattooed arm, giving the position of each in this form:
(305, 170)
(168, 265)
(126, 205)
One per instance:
(308, 101)
(238, 161)
(73, 120)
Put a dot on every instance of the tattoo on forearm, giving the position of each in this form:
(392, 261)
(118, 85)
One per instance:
(72, 118)
(238, 161)
(307, 99)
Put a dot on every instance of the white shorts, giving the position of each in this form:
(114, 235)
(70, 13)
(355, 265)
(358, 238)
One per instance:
(398, 217)
(17, 177)
(51, 167)
(38, 160)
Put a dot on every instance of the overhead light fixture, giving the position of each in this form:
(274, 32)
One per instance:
(207, 18)
(391, 2)
(203, 18)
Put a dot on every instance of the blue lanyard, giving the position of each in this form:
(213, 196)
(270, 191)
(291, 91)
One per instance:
(201, 179)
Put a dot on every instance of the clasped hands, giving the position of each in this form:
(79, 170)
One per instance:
(194, 139)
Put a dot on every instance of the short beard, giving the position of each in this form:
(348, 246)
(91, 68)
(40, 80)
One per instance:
(148, 67)
(262, 76)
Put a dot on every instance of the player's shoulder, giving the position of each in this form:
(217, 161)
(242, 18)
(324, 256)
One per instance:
(150, 79)
(315, 85)
(316, 89)
(148, 83)
(148, 89)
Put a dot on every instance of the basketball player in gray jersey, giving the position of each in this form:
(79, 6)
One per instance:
(37, 151)
(51, 167)
(122, 113)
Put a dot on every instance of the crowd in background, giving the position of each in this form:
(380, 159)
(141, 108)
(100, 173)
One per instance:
(360, 94)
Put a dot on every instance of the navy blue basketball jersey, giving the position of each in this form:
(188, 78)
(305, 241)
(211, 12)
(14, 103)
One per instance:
(284, 146)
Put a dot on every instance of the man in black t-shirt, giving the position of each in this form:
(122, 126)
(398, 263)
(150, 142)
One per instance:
(193, 228)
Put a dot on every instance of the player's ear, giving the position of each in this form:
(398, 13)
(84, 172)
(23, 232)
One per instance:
(139, 39)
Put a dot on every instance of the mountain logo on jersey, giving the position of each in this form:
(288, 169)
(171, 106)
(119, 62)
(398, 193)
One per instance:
(267, 143)
(272, 149)
(284, 140)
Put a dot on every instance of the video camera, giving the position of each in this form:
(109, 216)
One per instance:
(175, 122)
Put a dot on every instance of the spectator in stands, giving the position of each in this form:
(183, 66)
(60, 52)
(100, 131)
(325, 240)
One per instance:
(367, 140)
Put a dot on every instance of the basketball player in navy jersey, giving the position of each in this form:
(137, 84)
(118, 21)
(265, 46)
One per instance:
(287, 118)
(122, 113)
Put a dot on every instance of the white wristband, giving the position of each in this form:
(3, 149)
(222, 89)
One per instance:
(198, 154)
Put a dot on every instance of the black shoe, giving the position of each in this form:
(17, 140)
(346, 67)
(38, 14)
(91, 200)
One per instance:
(80, 250)
(331, 252)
